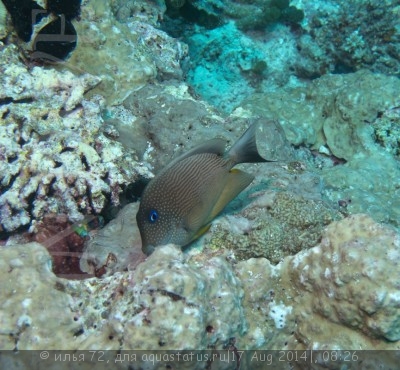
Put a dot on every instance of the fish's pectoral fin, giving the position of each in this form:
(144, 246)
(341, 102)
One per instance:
(237, 181)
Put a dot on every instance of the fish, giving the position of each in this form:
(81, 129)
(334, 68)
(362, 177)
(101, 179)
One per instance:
(178, 205)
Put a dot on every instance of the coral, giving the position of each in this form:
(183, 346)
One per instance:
(164, 297)
(128, 53)
(226, 65)
(208, 14)
(280, 225)
(387, 130)
(116, 247)
(334, 110)
(338, 114)
(377, 189)
(55, 157)
(150, 12)
(35, 311)
(161, 111)
(259, 14)
(344, 37)
(217, 71)
(353, 276)
(59, 90)
(252, 15)
(152, 116)
(340, 294)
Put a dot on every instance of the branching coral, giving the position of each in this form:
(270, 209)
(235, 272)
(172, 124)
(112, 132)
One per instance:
(54, 155)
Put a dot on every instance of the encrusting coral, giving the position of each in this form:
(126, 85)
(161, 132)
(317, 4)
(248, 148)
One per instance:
(353, 276)
(280, 225)
(341, 294)
(343, 37)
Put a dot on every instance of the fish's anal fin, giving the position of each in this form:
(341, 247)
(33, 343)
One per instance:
(237, 181)
(201, 231)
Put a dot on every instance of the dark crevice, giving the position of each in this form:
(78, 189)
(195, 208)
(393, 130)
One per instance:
(5, 114)
(85, 162)
(51, 191)
(6, 101)
(134, 191)
(90, 200)
(21, 141)
(12, 158)
(30, 200)
(62, 112)
(79, 332)
(7, 187)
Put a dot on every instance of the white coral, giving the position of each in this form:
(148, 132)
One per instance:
(51, 146)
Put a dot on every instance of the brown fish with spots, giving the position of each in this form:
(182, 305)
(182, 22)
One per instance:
(178, 205)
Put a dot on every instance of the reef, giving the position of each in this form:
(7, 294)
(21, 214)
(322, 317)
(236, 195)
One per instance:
(305, 258)
(344, 272)
(342, 37)
(339, 116)
(259, 14)
(133, 54)
(253, 15)
(333, 287)
(252, 47)
(387, 130)
(225, 75)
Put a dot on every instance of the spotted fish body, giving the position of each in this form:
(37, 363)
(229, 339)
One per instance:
(178, 205)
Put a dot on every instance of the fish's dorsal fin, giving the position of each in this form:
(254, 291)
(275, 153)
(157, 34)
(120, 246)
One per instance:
(237, 181)
(214, 146)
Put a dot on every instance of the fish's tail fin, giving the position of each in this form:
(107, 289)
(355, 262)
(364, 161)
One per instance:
(245, 149)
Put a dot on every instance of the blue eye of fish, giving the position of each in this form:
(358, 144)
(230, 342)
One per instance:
(153, 216)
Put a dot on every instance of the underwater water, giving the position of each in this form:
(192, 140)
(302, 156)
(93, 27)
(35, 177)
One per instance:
(138, 214)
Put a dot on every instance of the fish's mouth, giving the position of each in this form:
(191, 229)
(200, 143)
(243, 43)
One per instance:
(148, 249)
